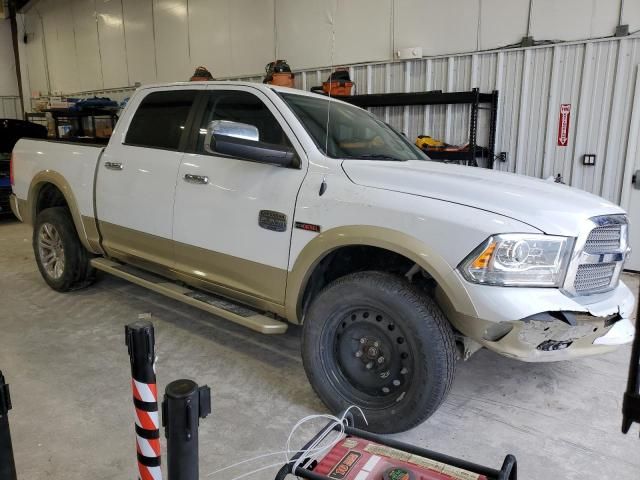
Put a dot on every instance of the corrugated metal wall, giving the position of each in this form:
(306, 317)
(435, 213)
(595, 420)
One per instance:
(596, 77)
(10, 107)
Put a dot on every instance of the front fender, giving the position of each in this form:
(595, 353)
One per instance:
(365, 235)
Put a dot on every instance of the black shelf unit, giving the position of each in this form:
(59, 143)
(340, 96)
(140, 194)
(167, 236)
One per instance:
(75, 117)
(473, 98)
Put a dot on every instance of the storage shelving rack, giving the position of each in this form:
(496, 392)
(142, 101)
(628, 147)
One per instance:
(75, 118)
(474, 98)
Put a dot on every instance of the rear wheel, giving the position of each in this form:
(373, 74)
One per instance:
(373, 340)
(62, 259)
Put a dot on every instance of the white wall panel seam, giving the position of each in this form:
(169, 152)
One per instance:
(95, 16)
(124, 37)
(407, 89)
(549, 153)
(498, 86)
(449, 108)
(586, 87)
(524, 111)
(617, 108)
(428, 87)
(633, 147)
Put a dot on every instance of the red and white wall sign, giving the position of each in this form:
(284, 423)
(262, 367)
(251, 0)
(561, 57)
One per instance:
(563, 124)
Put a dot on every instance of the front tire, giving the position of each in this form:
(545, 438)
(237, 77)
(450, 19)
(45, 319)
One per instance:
(62, 259)
(373, 340)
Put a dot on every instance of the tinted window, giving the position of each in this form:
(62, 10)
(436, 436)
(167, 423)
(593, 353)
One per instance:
(160, 119)
(242, 107)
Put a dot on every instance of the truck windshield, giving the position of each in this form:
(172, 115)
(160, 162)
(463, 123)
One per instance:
(348, 132)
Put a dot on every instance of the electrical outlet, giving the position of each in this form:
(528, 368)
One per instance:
(589, 159)
(503, 156)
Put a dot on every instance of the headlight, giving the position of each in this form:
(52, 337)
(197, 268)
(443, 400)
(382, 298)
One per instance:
(519, 260)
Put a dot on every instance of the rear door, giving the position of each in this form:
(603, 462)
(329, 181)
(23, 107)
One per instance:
(233, 229)
(136, 180)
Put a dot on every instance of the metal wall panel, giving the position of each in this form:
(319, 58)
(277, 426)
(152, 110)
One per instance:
(139, 40)
(171, 28)
(62, 60)
(8, 79)
(86, 42)
(33, 58)
(112, 43)
(10, 107)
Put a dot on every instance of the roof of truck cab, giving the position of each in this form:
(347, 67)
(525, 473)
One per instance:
(258, 86)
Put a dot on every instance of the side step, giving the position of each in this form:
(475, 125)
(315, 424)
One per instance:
(222, 307)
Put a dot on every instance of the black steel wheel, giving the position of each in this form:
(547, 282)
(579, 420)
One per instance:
(371, 339)
(372, 354)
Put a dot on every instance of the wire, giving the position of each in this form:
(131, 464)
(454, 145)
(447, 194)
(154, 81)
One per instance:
(307, 455)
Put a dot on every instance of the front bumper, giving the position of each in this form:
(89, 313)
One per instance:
(530, 324)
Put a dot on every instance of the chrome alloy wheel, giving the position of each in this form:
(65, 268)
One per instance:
(51, 250)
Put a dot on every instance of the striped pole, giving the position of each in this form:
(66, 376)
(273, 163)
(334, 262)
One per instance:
(140, 342)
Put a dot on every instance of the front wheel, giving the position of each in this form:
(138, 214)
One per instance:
(373, 340)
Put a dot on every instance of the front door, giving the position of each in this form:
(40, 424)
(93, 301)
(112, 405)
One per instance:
(233, 217)
(136, 181)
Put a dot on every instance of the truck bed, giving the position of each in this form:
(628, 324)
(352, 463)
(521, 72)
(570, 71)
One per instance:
(71, 166)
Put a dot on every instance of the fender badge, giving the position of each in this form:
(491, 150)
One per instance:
(271, 220)
(310, 227)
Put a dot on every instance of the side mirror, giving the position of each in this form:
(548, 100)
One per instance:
(242, 140)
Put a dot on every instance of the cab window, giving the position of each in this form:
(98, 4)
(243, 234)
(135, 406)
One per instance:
(160, 119)
(242, 107)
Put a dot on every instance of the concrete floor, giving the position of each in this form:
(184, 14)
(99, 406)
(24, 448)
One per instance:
(65, 358)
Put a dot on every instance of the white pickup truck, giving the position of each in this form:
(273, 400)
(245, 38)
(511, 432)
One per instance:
(268, 205)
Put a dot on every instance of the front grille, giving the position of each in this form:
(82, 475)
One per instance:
(593, 277)
(601, 249)
(603, 239)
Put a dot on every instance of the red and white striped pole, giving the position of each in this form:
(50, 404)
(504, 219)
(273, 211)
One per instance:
(140, 342)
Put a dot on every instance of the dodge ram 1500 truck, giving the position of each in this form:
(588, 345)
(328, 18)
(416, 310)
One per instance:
(265, 205)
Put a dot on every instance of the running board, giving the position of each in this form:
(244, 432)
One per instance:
(222, 307)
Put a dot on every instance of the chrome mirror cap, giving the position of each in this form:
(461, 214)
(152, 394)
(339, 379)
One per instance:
(226, 128)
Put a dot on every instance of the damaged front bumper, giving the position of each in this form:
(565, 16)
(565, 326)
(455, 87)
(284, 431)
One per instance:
(544, 325)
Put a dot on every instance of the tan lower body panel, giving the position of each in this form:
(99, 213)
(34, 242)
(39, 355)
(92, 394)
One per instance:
(93, 237)
(220, 307)
(252, 283)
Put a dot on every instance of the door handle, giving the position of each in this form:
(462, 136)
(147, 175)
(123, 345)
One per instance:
(636, 180)
(198, 179)
(113, 165)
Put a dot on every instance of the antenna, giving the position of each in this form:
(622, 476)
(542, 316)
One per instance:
(332, 21)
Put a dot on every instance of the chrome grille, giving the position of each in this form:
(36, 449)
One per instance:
(593, 277)
(599, 255)
(603, 239)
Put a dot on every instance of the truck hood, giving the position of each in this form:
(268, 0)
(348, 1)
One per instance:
(550, 207)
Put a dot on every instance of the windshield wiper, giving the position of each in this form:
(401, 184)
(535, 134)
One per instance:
(376, 156)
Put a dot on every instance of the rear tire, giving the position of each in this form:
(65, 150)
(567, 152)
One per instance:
(373, 340)
(62, 259)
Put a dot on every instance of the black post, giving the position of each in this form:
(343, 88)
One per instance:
(7, 463)
(183, 405)
(631, 399)
(140, 340)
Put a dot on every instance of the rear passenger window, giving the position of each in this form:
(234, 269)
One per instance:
(160, 119)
